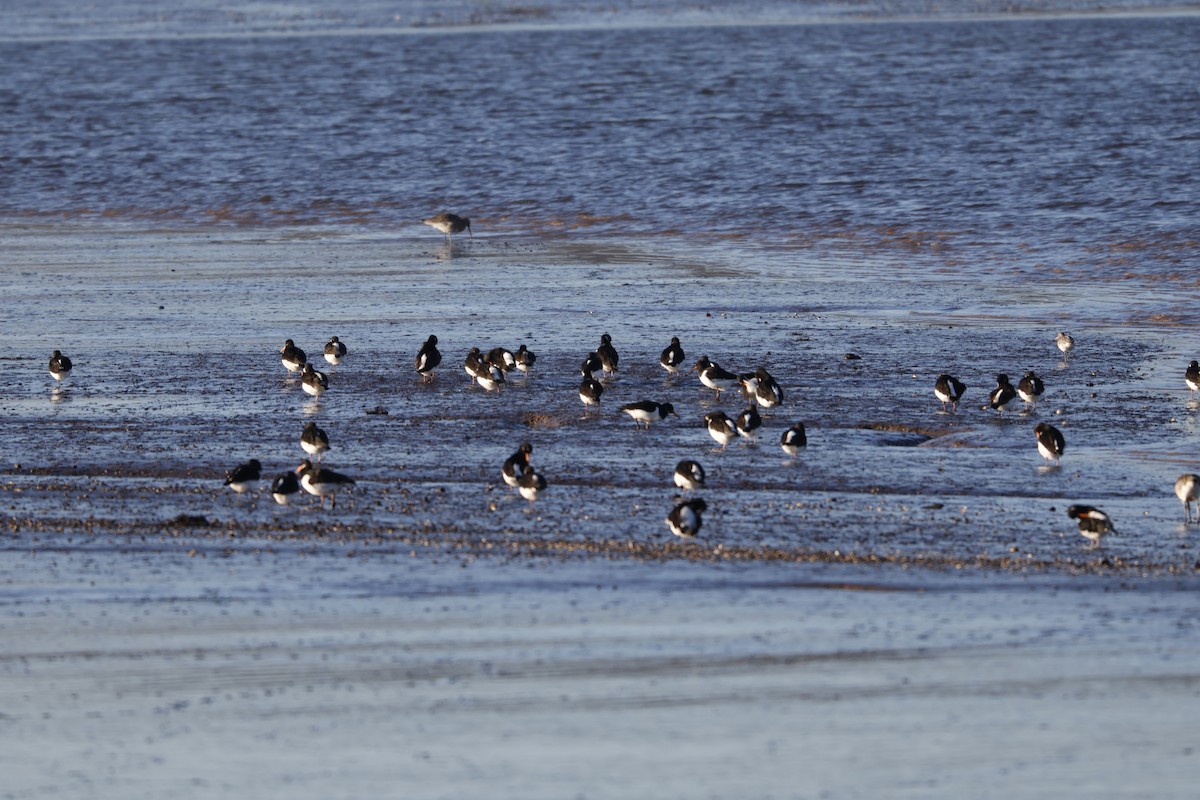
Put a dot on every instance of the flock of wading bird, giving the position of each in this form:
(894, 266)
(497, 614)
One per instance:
(759, 388)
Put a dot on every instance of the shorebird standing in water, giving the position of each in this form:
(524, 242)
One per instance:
(60, 365)
(689, 475)
(1065, 343)
(1093, 523)
(948, 389)
(449, 224)
(1191, 376)
(1187, 489)
(1050, 442)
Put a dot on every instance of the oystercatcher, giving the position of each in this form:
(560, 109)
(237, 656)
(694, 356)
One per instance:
(428, 358)
(591, 364)
(314, 440)
(714, 377)
(1191, 377)
(530, 484)
(524, 359)
(321, 482)
(720, 427)
(501, 359)
(1093, 523)
(684, 519)
(490, 377)
(1050, 441)
(312, 381)
(60, 365)
(292, 357)
(672, 356)
(244, 477)
(449, 224)
(1003, 394)
(768, 392)
(590, 390)
(689, 475)
(1187, 489)
(283, 487)
(1065, 343)
(335, 351)
(748, 422)
(608, 356)
(793, 439)
(948, 389)
(474, 365)
(515, 464)
(1030, 388)
(647, 411)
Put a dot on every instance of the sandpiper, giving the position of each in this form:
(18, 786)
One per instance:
(335, 351)
(449, 224)
(1191, 377)
(1093, 523)
(321, 482)
(312, 381)
(748, 422)
(647, 411)
(948, 389)
(514, 465)
(793, 439)
(684, 519)
(720, 427)
(314, 440)
(672, 356)
(1030, 388)
(428, 358)
(244, 477)
(283, 487)
(689, 475)
(714, 377)
(1002, 395)
(1187, 489)
(60, 365)
(531, 484)
(608, 356)
(1050, 442)
(292, 357)
(1065, 342)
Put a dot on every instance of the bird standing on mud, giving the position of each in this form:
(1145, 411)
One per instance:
(449, 224)
(948, 389)
(335, 351)
(685, 520)
(60, 365)
(1093, 523)
(689, 475)
(244, 477)
(1050, 442)
(1002, 395)
(428, 358)
(1187, 489)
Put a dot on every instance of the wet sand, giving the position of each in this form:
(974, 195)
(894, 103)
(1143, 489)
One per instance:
(904, 609)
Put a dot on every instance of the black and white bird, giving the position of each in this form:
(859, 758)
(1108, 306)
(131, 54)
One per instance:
(502, 359)
(672, 357)
(292, 357)
(1030, 388)
(1187, 489)
(948, 390)
(1065, 343)
(313, 381)
(283, 487)
(720, 427)
(514, 465)
(1093, 523)
(524, 358)
(1191, 377)
(608, 356)
(714, 377)
(244, 477)
(1050, 442)
(449, 224)
(490, 377)
(748, 422)
(428, 358)
(322, 482)
(794, 439)
(591, 365)
(647, 411)
(689, 475)
(474, 364)
(1003, 394)
(685, 520)
(335, 351)
(531, 483)
(314, 440)
(590, 390)
(749, 381)
(60, 365)
(767, 390)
